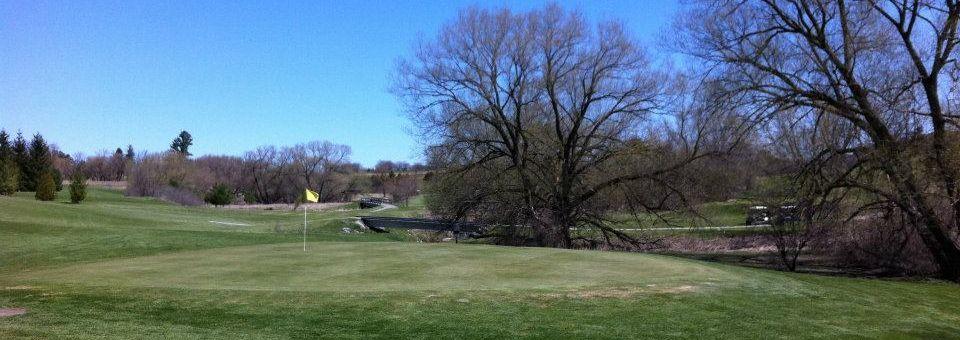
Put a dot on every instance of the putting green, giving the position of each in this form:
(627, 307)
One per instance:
(382, 267)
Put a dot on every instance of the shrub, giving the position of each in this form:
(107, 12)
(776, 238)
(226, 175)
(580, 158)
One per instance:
(9, 178)
(179, 195)
(154, 175)
(78, 187)
(219, 195)
(46, 189)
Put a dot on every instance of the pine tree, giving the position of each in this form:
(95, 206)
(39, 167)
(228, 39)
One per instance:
(38, 162)
(182, 143)
(46, 190)
(57, 179)
(6, 151)
(20, 160)
(78, 186)
(9, 174)
(119, 164)
(219, 195)
(130, 153)
(9, 177)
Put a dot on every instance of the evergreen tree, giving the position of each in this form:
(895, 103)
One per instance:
(57, 179)
(46, 190)
(130, 153)
(219, 195)
(9, 173)
(6, 150)
(20, 158)
(182, 143)
(9, 177)
(119, 164)
(78, 186)
(38, 162)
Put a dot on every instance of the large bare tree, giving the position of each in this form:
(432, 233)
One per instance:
(553, 107)
(316, 163)
(883, 73)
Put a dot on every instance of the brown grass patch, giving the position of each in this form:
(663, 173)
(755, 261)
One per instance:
(8, 312)
(621, 292)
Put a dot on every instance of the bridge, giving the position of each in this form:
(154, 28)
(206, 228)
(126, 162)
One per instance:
(381, 224)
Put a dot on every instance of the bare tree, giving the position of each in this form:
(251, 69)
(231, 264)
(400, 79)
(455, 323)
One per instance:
(267, 168)
(382, 172)
(316, 163)
(401, 187)
(877, 69)
(552, 106)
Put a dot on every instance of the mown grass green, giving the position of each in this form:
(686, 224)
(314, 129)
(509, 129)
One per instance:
(117, 267)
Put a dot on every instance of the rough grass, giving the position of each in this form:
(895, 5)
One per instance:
(117, 267)
(712, 214)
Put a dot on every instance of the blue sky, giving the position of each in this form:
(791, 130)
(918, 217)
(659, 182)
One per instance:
(95, 75)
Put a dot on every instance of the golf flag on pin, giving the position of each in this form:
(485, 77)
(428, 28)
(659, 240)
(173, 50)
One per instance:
(311, 196)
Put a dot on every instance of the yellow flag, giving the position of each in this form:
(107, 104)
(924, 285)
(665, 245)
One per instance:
(311, 196)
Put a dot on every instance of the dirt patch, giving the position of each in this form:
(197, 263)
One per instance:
(115, 185)
(679, 289)
(622, 293)
(236, 224)
(8, 312)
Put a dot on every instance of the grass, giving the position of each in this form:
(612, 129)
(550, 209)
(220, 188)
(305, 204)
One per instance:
(117, 267)
(711, 214)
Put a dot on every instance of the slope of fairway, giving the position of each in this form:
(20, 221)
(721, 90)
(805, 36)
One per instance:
(120, 268)
(384, 267)
(109, 225)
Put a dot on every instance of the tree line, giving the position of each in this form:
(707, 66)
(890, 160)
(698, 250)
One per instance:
(29, 166)
(545, 123)
(268, 174)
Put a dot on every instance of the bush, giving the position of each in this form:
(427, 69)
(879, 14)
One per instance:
(219, 195)
(46, 189)
(78, 187)
(180, 196)
(157, 175)
(9, 178)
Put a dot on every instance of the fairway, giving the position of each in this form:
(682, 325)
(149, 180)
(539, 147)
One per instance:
(117, 267)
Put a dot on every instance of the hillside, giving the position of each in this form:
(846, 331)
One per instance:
(117, 267)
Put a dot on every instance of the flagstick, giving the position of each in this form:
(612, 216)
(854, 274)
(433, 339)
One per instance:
(304, 227)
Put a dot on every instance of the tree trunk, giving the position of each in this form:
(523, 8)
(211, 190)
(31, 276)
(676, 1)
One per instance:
(560, 230)
(945, 252)
(933, 231)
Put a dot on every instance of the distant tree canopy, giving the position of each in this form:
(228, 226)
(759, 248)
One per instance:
(266, 175)
(181, 144)
(22, 166)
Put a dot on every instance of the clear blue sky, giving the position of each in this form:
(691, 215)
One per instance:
(95, 75)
